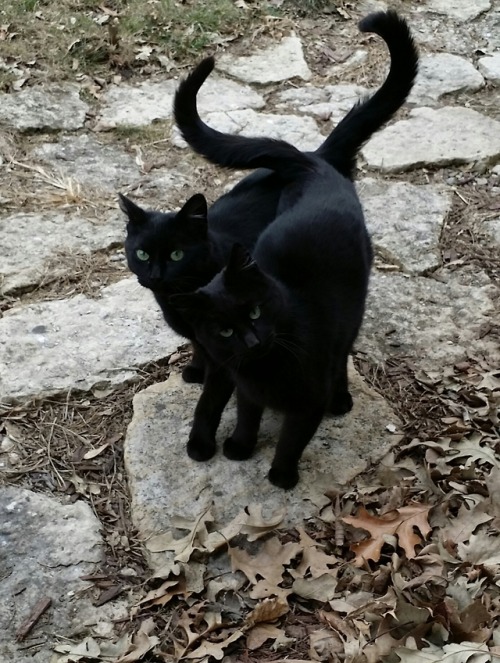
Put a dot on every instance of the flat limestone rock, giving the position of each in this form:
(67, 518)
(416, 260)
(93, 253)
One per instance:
(447, 136)
(90, 163)
(405, 222)
(47, 107)
(332, 102)
(443, 73)
(492, 227)
(489, 66)
(80, 343)
(299, 131)
(164, 482)
(435, 323)
(140, 105)
(31, 244)
(271, 65)
(46, 547)
(460, 10)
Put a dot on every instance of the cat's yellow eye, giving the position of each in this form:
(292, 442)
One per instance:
(177, 255)
(226, 333)
(142, 255)
(255, 313)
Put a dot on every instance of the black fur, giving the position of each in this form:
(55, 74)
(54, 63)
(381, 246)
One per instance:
(282, 321)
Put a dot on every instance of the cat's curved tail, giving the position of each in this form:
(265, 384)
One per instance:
(342, 145)
(230, 150)
(369, 115)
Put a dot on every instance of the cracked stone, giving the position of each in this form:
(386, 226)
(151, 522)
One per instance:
(55, 346)
(299, 131)
(140, 105)
(446, 136)
(33, 242)
(46, 548)
(443, 73)
(271, 65)
(47, 107)
(489, 66)
(90, 163)
(332, 102)
(405, 222)
(460, 10)
(165, 482)
(433, 322)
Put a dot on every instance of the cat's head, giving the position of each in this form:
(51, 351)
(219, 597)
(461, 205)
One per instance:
(168, 252)
(235, 315)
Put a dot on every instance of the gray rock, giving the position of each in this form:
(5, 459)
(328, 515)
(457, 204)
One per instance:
(140, 105)
(90, 163)
(32, 242)
(46, 547)
(449, 135)
(165, 482)
(79, 343)
(460, 10)
(332, 102)
(492, 227)
(276, 63)
(300, 131)
(47, 107)
(436, 323)
(405, 222)
(490, 67)
(441, 74)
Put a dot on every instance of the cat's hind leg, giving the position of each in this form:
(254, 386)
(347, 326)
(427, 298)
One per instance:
(242, 442)
(217, 390)
(340, 401)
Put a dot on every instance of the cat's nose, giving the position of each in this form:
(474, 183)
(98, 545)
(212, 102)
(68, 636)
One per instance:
(250, 339)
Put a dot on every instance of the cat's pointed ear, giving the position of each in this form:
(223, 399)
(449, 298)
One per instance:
(192, 305)
(195, 208)
(134, 213)
(239, 260)
(242, 274)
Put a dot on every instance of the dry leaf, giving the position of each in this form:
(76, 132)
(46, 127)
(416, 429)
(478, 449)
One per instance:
(325, 645)
(320, 589)
(399, 522)
(142, 642)
(482, 550)
(314, 560)
(267, 611)
(259, 634)
(465, 652)
(269, 562)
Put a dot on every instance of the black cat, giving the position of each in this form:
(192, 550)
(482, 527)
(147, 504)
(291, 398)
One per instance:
(179, 252)
(282, 323)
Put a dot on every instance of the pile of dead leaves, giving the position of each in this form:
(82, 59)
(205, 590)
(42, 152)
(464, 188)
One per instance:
(404, 566)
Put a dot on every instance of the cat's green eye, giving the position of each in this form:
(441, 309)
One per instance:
(142, 255)
(177, 255)
(226, 333)
(255, 313)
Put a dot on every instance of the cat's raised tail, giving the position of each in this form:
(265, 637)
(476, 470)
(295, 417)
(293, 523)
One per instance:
(342, 145)
(230, 150)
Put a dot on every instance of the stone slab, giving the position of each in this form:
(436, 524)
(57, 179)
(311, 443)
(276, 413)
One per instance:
(89, 162)
(46, 546)
(80, 343)
(443, 73)
(489, 66)
(492, 227)
(405, 222)
(164, 482)
(279, 62)
(298, 130)
(459, 10)
(48, 107)
(436, 323)
(332, 102)
(140, 105)
(446, 136)
(32, 242)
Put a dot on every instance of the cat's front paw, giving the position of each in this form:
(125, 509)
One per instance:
(192, 373)
(285, 479)
(340, 403)
(200, 449)
(237, 451)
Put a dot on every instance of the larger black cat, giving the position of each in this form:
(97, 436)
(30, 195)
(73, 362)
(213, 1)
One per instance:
(172, 253)
(282, 323)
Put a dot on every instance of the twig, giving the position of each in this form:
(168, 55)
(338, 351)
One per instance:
(27, 626)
